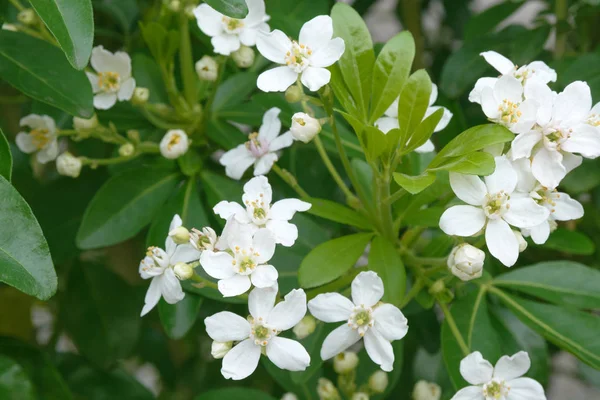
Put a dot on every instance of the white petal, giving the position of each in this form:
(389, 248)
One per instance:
(226, 209)
(225, 44)
(256, 12)
(525, 389)
(104, 101)
(25, 143)
(508, 88)
(217, 264)
(264, 276)
(475, 95)
(271, 125)
(524, 212)
(176, 222)
(390, 322)
(248, 36)
(274, 46)
(469, 393)
(93, 78)
(34, 121)
(379, 349)
(367, 289)
(317, 32)
(501, 242)
(287, 313)
(585, 140)
(315, 78)
(468, 188)
(264, 164)
(261, 302)
(338, 340)
(277, 79)
(571, 161)
(284, 233)
(511, 367)
(237, 161)
(48, 153)
(234, 286)
(170, 286)
(475, 369)
(152, 297)
(285, 209)
(210, 21)
(386, 124)
(330, 307)
(547, 167)
(264, 245)
(241, 361)
(523, 144)
(185, 253)
(498, 61)
(462, 220)
(504, 177)
(258, 189)
(433, 95)
(573, 104)
(126, 89)
(444, 121)
(543, 95)
(528, 110)
(104, 61)
(426, 147)
(489, 103)
(148, 268)
(565, 208)
(226, 326)
(539, 234)
(281, 141)
(328, 54)
(288, 354)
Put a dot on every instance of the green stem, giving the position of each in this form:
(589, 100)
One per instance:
(157, 121)
(395, 197)
(94, 162)
(561, 10)
(290, 180)
(411, 13)
(186, 62)
(17, 4)
(334, 174)
(414, 290)
(387, 222)
(454, 329)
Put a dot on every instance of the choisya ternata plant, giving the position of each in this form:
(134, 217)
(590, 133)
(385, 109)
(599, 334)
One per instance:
(327, 287)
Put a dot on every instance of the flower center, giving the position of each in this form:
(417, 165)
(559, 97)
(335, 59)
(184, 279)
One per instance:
(40, 137)
(159, 256)
(175, 139)
(510, 113)
(495, 389)
(297, 57)
(260, 332)
(361, 319)
(244, 262)
(232, 25)
(202, 241)
(496, 205)
(257, 147)
(545, 197)
(109, 81)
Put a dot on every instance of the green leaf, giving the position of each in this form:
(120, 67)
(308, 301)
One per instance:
(313, 344)
(178, 318)
(25, 260)
(356, 64)
(489, 19)
(234, 393)
(332, 259)
(414, 184)
(163, 44)
(124, 205)
(429, 217)
(364, 175)
(423, 132)
(147, 74)
(463, 67)
(44, 74)
(391, 71)
(342, 94)
(414, 101)
(231, 8)
(572, 242)
(5, 157)
(225, 134)
(336, 212)
(571, 330)
(219, 188)
(14, 382)
(234, 91)
(561, 282)
(72, 24)
(480, 163)
(375, 142)
(385, 260)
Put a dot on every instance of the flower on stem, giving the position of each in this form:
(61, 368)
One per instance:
(466, 262)
(41, 139)
(308, 58)
(68, 165)
(159, 265)
(259, 333)
(228, 34)
(206, 239)
(503, 381)
(304, 127)
(112, 79)
(260, 149)
(378, 323)
(207, 69)
(174, 144)
(259, 213)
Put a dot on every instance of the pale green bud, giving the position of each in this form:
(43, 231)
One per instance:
(140, 95)
(68, 165)
(424, 390)
(305, 327)
(207, 69)
(183, 271)
(220, 349)
(345, 362)
(243, 57)
(378, 382)
(85, 124)
(180, 235)
(27, 17)
(293, 94)
(126, 150)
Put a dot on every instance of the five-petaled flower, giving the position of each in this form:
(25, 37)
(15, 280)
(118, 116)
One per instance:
(112, 79)
(378, 323)
(259, 332)
(41, 139)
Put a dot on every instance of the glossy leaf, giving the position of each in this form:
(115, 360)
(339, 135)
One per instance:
(5, 158)
(414, 101)
(423, 131)
(480, 163)
(234, 91)
(375, 142)
(571, 242)
(313, 344)
(330, 260)
(124, 205)
(147, 74)
(14, 382)
(336, 212)
(178, 318)
(234, 393)
(414, 184)
(219, 188)
(231, 8)
(43, 73)
(385, 260)
(489, 19)
(72, 24)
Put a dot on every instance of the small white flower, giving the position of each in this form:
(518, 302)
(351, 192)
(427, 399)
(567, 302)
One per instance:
(378, 323)
(390, 120)
(203, 240)
(466, 262)
(207, 69)
(229, 33)
(259, 212)
(85, 124)
(9, 27)
(68, 165)
(503, 381)
(307, 58)
(41, 139)
(304, 127)
(174, 144)
(378, 381)
(424, 390)
(243, 57)
(260, 333)
(493, 206)
(260, 149)
(158, 265)
(140, 95)
(220, 349)
(305, 327)
(112, 79)
(327, 390)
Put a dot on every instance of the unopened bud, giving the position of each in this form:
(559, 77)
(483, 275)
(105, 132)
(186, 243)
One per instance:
(289, 396)
(9, 27)
(207, 69)
(466, 262)
(243, 57)
(133, 135)
(437, 287)
(174, 5)
(180, 235)
(183, 271)
(140, 95)
(305, 327)
(345, 362)
(553, 225)
(424, 390)
(304, 127)
(68, 165)
(126, 150)
(85, 124)
(174, 144)
(27, 16)
(521, 240)
(326, 390)
(360, 396)
(293, 94)
(378, 382)
(220, 349)
(189, 11)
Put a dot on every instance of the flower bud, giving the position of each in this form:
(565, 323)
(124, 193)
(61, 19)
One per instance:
(174, 5)
(220, 349)
(140, 95)
(378, 382)
(133, 135)
(304, 127)
(84, 124)
(207, 69)
(9, 27)
(293, 94)
(521, 240)
(183, 271)
(180, 235)
(27, 16)
(305, 327)
(345, 362)
(360, 396)
(466, 262)
(289, 396)
(424, 390)
(326, 390)
(126, 150)
(243, 57)
(68, 165)
(174, 144)
(189, 11)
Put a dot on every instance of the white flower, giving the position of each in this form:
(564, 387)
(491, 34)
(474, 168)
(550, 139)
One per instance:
(260, 333)
(503, 381)
(203, 240)
(207, 69)
(174, 144)
(41, 139)
(307, 58)
(378, 381)
(493, 206)
(345, 362)
(304, 127)
(560, 205)
(229, 33)
(140, 95)
(68, 165)
(85, 124)
(112, 79)
(466, 262)
(259, 212)
(566, 124)
(158, 265)
(378, 323)
(390, 120)
(424, 390)
(260, 150)
(536, 71)
(220, 349)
